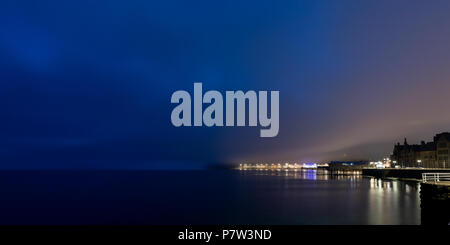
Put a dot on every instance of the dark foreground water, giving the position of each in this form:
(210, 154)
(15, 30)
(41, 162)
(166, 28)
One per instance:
(203, 197)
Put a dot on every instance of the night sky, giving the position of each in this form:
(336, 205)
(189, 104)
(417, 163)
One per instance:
(87, 84)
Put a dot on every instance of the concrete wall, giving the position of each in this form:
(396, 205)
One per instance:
(434, 204)
(401, 173)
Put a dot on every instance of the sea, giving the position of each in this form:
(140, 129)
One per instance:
(189, 197)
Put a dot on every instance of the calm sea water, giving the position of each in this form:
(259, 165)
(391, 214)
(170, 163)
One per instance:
(203, 197)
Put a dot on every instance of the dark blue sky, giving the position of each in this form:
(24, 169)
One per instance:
(88, 83)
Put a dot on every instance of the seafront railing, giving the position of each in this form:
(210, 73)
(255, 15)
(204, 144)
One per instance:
(435, 177)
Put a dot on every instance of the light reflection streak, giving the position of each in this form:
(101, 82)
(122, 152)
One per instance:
(385, 201)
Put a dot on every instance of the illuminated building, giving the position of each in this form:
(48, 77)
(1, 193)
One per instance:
(433, 154)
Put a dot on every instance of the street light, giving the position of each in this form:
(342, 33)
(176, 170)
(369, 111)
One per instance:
(419, 163)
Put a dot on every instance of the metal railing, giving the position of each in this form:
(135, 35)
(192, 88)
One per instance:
(435, 177)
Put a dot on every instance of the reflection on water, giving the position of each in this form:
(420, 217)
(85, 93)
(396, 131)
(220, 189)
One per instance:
(306, 174)
(389, 199)
(204, 197)
(362, 200)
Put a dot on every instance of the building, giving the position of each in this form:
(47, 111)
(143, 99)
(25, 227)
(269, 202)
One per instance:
(347, 165)
(433, 154)
(442, 149)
